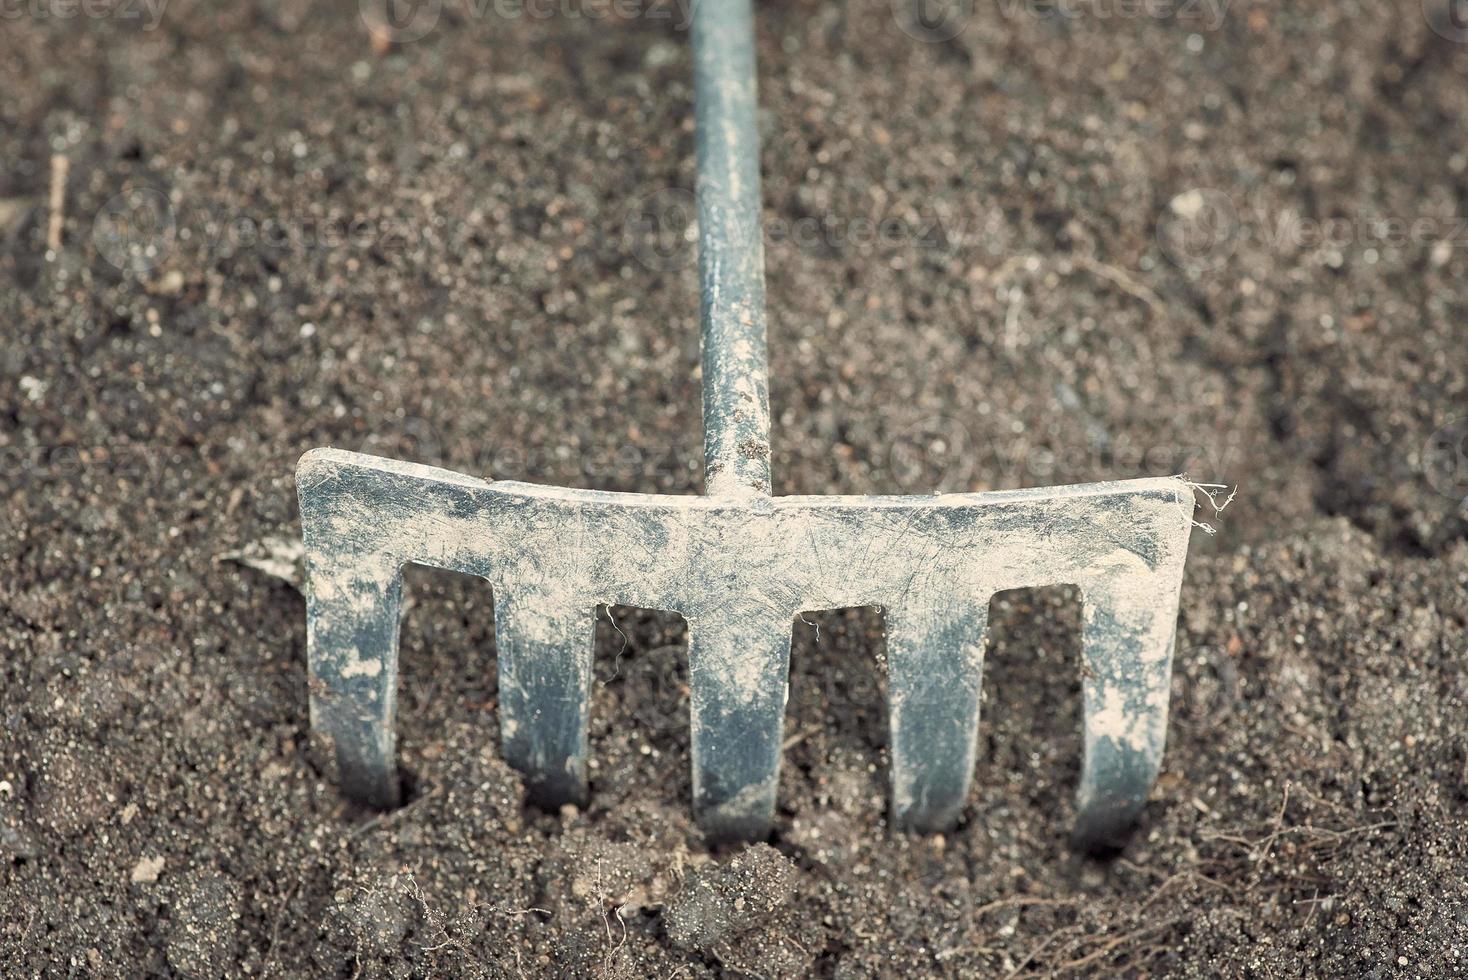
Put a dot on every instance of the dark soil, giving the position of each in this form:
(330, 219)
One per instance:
(1098, 263)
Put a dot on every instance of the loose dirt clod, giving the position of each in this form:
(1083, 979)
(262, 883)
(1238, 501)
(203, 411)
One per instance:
(740, 913)
(719, 901)
(146, 871)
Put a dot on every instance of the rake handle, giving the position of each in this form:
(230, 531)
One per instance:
(731, 263)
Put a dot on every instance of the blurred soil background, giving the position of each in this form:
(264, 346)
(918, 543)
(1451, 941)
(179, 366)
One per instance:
(1011, 243)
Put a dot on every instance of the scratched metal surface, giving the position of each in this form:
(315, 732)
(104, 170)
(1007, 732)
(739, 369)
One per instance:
(739, 572)
(731, 255)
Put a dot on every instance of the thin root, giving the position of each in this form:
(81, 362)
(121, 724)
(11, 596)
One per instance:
(1211, 491)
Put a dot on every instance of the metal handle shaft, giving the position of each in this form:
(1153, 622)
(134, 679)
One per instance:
(731, 257)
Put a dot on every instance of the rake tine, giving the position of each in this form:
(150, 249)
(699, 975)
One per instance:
(738, 665)
(1127, 643)
(545, 660)
(739, 679)
(935, 662)
(353, 604)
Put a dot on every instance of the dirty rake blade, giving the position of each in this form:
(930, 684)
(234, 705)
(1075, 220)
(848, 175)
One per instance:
(740, 572)
(739, 565)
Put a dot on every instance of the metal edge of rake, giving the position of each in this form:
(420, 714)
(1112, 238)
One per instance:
(739, 565)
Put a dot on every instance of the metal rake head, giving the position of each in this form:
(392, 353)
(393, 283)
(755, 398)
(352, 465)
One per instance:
(739, 565)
